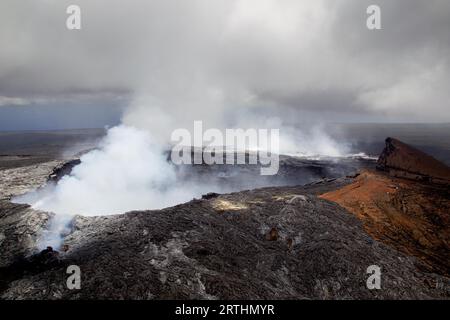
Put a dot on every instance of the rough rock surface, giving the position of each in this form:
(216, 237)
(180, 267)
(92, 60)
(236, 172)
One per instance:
(224, 248)
(402, 160)
(412, 214)
(409, 216)
(20, 227)
(62, 170)
(17, 181)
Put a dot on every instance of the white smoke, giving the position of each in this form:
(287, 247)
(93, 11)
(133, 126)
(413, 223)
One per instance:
(313, 143)
(128, 171)
(213, 60)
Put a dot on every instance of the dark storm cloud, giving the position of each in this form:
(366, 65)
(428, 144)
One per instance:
(192, 56)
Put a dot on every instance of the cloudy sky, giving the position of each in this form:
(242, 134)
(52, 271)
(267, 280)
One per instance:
(293, 59)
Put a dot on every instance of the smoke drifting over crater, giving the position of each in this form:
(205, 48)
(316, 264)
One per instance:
(230, 63)
(130, 171)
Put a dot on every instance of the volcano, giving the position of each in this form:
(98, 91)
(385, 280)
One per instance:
(314, 240)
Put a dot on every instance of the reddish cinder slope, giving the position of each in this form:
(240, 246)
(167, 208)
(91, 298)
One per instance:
(412, 216)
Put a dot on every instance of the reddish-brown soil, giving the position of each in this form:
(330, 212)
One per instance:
(410, 216)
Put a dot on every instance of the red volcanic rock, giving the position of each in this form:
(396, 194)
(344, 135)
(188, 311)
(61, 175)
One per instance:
(409, 216)
(404, 161)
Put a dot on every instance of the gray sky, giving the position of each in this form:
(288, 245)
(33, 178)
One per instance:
(297, 60)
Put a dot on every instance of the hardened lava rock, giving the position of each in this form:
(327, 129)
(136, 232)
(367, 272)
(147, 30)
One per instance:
(272, 243)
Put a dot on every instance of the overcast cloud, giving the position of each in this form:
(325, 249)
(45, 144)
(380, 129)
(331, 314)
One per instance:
(289, 58)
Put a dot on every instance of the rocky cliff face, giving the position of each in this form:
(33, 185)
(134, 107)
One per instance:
(404, 161)
(405, 205)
